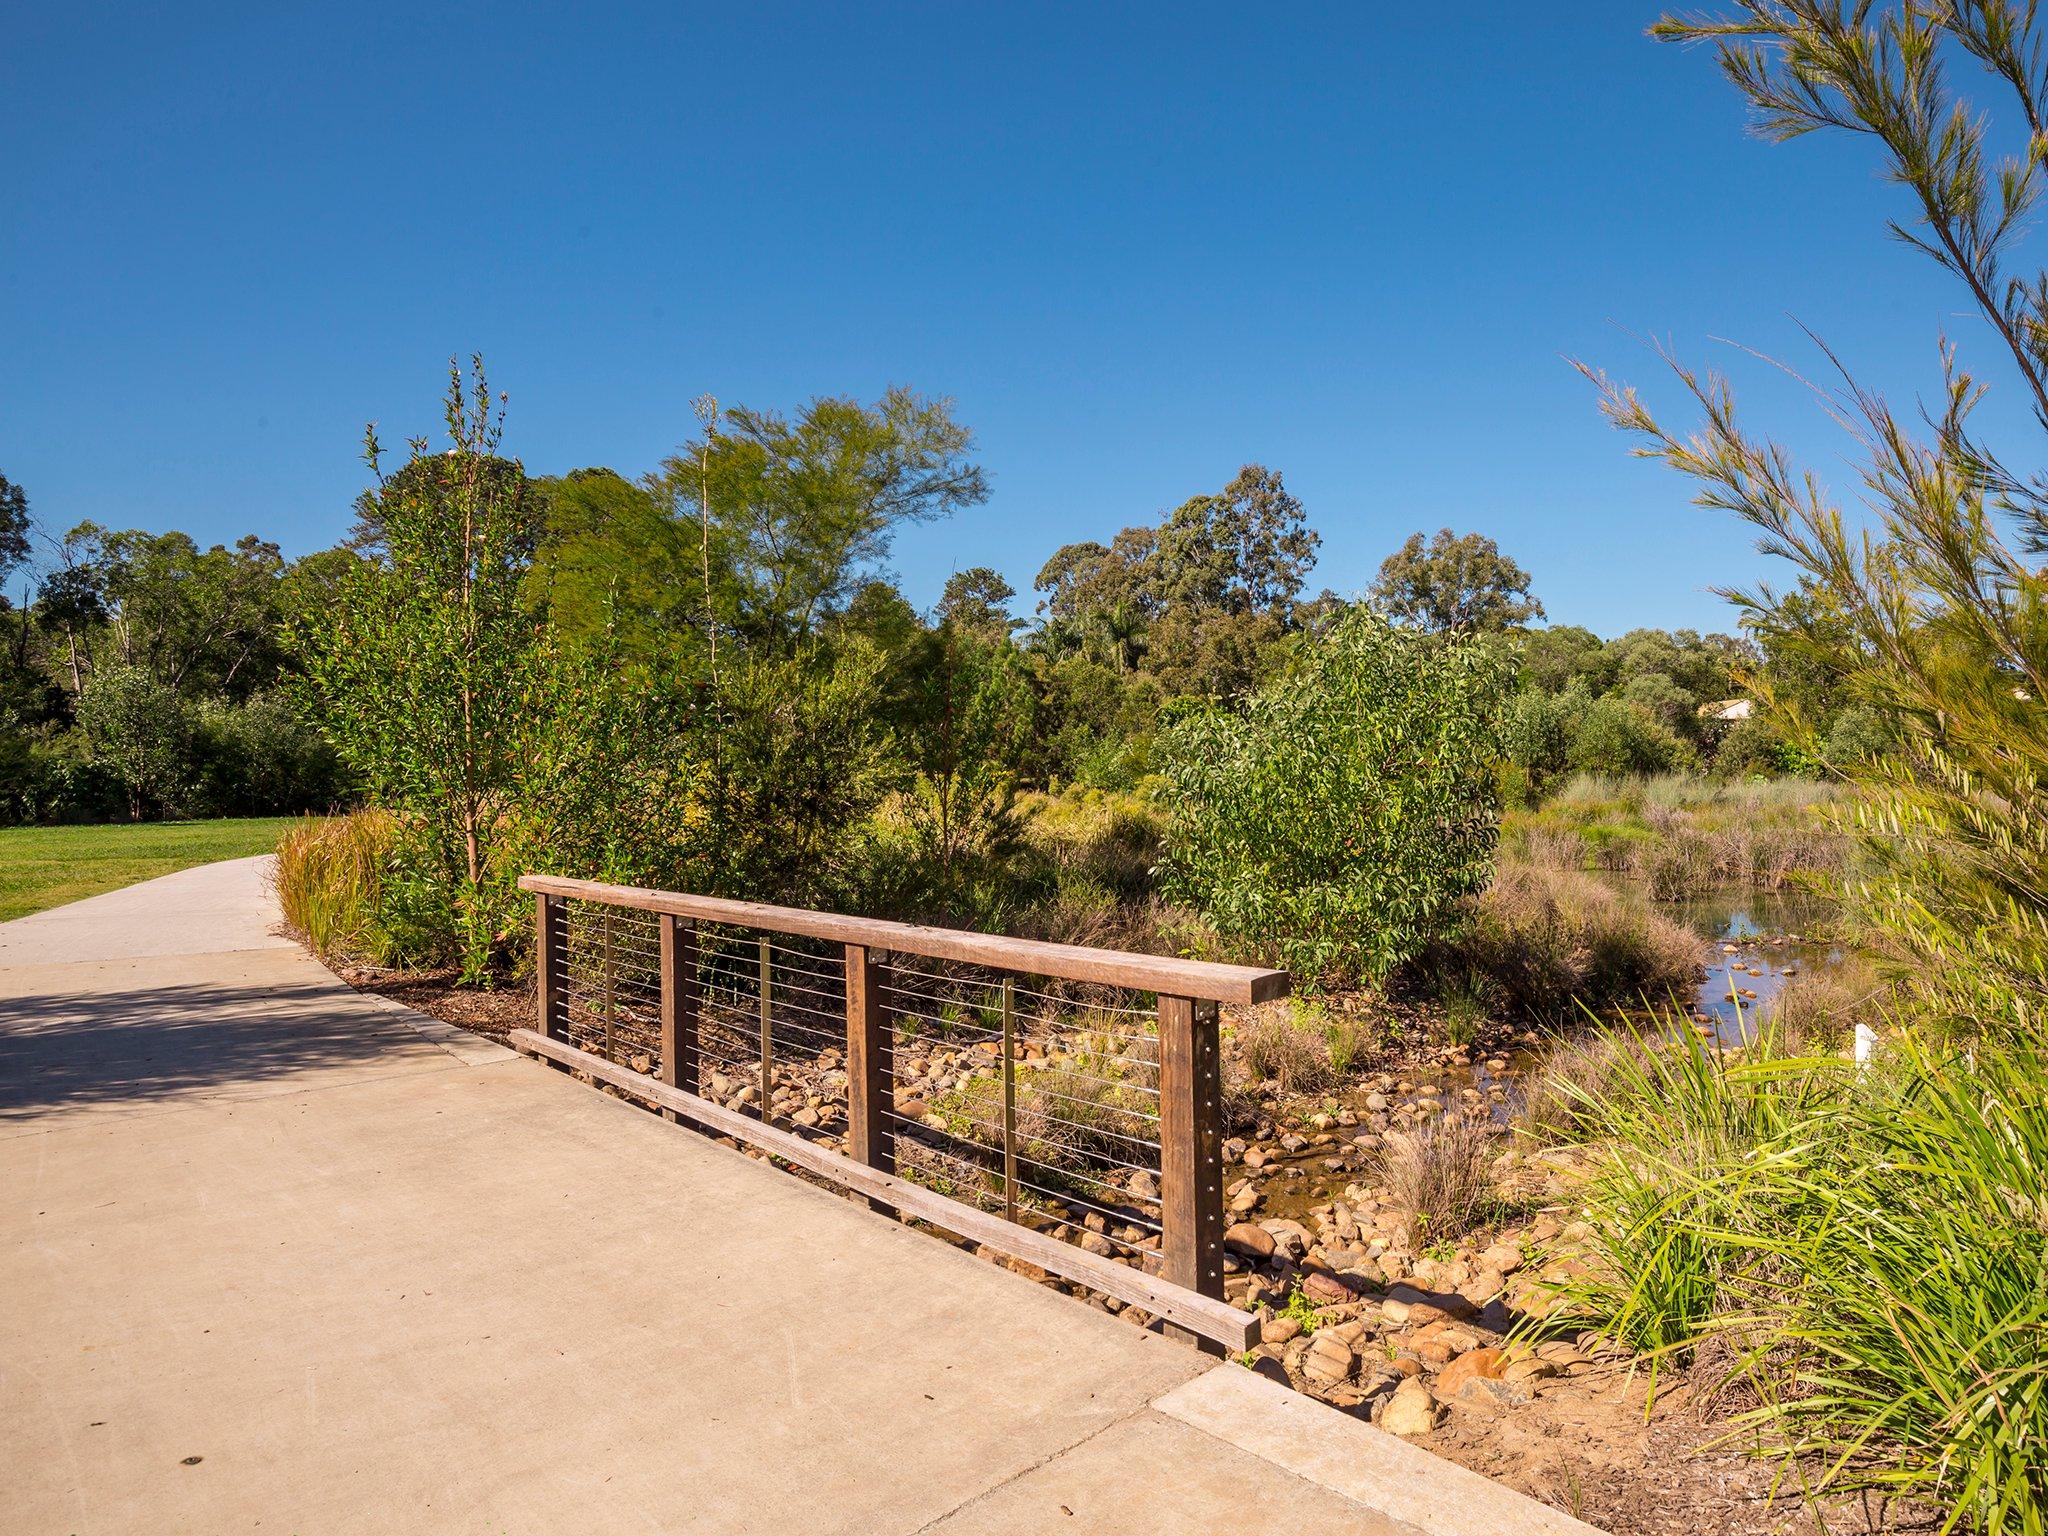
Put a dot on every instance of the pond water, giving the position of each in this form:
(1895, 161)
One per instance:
(1761, 940)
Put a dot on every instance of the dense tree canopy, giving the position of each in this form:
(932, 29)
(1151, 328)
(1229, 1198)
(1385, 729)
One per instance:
(978, 600)
(14, 527)
(1455, 582)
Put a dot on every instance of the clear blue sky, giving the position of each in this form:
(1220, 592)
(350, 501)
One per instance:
(1140, 245)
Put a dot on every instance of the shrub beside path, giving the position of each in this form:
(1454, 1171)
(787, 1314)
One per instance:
(280, 1255)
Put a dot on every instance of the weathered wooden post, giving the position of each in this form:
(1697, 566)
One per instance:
(611, 987)
(870, 1066)
(1190, 1148)
(1009, 1098)
(679, 1005)
(767, 1031)
(551, 965)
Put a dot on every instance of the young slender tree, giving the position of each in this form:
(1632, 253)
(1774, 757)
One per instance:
(427, 670)
(706, 408)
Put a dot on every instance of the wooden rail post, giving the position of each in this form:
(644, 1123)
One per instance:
(767, 1031)
(551, 965)
(1009, 1098)
(1190, 1147)
(679, 1005)
(611, 987)
(870, 1065)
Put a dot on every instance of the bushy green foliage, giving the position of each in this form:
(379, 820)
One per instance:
(258, 755)
(1754, 747)
(967, 721)
(1204, 606)
(1857, 736)
(1616, 737)
(1538, 734)
(1636, 704)
(614, 568)
(795, 759)
(135, 728)
(1336, 820)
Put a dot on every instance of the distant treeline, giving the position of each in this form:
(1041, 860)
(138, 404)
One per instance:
(146, 676)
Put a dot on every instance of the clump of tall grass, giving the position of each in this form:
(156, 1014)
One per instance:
(1548, 942)
(1823, 1003)
(1277, 1047)
(1300, 1047)
(1912, 1289)
(330, 877)
(1870, 1247)
(1556, 1099)
(1680, 1133)
(1440, 1177)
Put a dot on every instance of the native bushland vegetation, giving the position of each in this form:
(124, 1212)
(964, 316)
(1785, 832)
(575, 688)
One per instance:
(700, 676)
(700, 679)
(141, 677)
(1677, 833)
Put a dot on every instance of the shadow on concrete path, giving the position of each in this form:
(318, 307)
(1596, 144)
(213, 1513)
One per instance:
(128, 1048)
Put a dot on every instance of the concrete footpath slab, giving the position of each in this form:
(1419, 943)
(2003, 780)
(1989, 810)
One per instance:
(276, 1259)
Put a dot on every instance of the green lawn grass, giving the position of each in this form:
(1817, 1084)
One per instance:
(48, 866)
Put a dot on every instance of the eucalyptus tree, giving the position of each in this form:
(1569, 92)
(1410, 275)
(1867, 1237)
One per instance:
(1454, 582)
(795, 514)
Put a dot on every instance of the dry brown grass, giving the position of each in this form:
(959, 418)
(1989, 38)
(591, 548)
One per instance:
(1679, 833)
(1545, 941)
(1279, 1047)
(1441, 1178)
(1557, 1096)
(1820, 1006)
(329, 876)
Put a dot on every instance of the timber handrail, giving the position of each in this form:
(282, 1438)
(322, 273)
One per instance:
(684, 986)
(1206, 980)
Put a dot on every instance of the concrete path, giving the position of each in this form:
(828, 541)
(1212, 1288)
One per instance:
(278, 1257)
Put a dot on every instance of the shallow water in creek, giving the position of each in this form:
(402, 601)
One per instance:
(1761, 940)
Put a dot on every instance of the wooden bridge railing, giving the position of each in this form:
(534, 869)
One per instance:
(1006, 1090)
